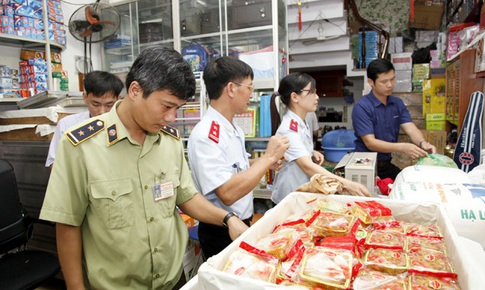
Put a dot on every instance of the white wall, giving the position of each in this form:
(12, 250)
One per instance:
(75, 47)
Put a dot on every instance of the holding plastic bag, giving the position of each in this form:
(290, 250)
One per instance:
(437, 160)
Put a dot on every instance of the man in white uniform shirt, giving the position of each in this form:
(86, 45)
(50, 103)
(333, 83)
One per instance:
(101, 91)
(217, 155)
(311, 120)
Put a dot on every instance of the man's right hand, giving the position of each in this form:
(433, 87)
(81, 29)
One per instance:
(413, 151)
(277, 146)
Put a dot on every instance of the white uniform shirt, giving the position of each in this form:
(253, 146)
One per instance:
(290, 177)
(64, 124)
(213, 160)
(312, 121)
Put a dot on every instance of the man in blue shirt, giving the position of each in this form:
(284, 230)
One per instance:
(377, 118)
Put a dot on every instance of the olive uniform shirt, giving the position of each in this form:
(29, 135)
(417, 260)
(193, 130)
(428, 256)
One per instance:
(104, 181)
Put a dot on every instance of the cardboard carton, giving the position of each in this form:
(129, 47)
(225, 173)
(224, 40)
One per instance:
(211, 276)
(427, 15)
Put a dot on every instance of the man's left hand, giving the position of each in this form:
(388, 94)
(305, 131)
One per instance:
(236, 227)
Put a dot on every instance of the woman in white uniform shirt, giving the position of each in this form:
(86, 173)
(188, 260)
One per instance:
(297, 91)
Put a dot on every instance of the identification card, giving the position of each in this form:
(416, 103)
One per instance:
(163, 191)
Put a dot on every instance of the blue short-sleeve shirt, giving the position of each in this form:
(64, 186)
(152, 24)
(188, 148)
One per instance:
(371, 116)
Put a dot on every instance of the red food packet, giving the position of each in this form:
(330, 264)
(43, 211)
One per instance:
(250, 262)
(369, 211)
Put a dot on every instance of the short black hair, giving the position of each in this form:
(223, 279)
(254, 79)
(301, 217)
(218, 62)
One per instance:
(377, 67)
(220, 71)
(160, 68)
(99, 83)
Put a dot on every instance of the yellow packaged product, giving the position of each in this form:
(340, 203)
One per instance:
(414, 244)
(248, 261)
(278, 244)
(326, 204)
(328, 268)
(300, 227)
(385, 239)
(429, 262)
(416, 281)
(371, 211)
(432, 231)
(386, 260)
(370, 279)
(328, 224)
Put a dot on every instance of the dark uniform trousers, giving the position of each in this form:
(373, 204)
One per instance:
(213, 239)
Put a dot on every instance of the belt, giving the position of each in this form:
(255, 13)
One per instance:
(383, 163)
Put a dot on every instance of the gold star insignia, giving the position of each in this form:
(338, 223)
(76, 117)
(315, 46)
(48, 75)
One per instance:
(91, 128)
(81, 133)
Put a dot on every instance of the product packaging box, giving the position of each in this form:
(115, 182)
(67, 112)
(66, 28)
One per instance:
(436, 138)
(435, 125)
(211, 276)
(402, 61)
(417, 86)
(421, 71)
(427, 14)
(434, 99)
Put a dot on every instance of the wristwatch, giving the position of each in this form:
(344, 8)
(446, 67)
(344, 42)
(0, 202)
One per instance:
(227, 217)
(421, 143)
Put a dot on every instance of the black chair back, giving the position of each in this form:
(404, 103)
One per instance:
(20, 268)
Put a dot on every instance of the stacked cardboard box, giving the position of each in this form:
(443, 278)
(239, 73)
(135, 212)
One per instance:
(403, 64)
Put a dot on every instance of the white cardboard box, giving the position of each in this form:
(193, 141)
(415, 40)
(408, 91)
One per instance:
(402, 61)
(210, 276)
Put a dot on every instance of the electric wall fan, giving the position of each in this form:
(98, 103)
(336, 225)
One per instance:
(93, 23)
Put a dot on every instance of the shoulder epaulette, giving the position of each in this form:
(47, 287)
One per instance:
(294, 125)
(83, 133)
(171, 132)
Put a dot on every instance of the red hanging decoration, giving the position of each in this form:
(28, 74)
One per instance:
(299, 16)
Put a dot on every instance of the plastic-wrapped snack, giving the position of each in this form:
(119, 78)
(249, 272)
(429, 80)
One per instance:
(418, 282)
(390, 225)
(386, 240)
(416, 230)
(250, 262)
(290, 267)
(343, 243)
(300, 227)
(328, 224)
(386, 260)
(431, 263)
(368, 279)
(371, 211)
(320, 183)
(328, 268)
(325, 204)
(414, 244)
(279, 244)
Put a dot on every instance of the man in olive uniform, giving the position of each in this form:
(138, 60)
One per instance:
(118, 179)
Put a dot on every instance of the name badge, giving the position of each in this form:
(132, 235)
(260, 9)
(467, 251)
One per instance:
(163, 191)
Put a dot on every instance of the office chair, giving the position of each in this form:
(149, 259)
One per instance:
(20, 268)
